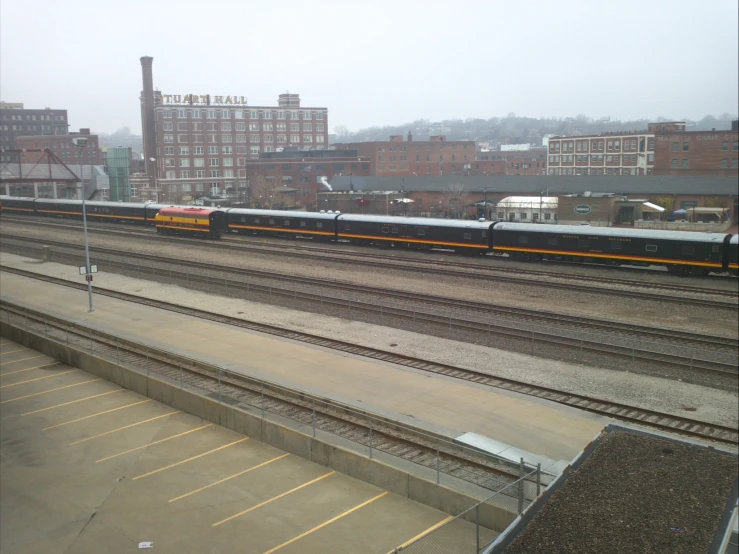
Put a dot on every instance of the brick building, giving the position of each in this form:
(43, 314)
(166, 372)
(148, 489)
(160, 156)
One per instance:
(15, 121)
(610, 154)
(514, 162)
(398, 157)
(62, 146)
(202, 143)
(680, 152)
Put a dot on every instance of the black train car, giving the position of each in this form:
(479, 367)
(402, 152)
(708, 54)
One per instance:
(282, 223)
(16, 205)
(128, 212)
(679, 251)
(416, 232)
(733, 255)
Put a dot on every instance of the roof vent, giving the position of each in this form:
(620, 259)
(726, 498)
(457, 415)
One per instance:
(337, 212)
(330, 211)
(322, 212)
(481, 220)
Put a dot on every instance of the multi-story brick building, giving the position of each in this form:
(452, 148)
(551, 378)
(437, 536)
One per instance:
(610, 154)
(203, 143)
(680, 152)
(436, 156)
(515, 162)
(15, 121)
(62, 146)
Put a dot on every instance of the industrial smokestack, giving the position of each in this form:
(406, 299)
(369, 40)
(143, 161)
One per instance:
(148, 124)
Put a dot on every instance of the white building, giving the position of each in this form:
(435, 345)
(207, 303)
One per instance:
(528, 209)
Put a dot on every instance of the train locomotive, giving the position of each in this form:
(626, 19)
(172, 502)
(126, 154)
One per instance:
(686, 253)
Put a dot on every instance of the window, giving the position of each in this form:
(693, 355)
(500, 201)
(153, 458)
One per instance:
(210, 114)
(675, 146)
(197, 114)
(524, 215)
(736, 145)
(240, 127)
(674, 164)
(184, 150)
(170, 174)
(307, 116)
(181, 113)
(268, 138)
(199, 162)
(688, 249)
(615, 245)
(185, 174)
(295, 126)
(167, 114)
(228, 172)
(685, 164)
(724, 163)
(308, 127)
(215, 173)
(266, 126)
(184, 162)
(254, 138)
(523, 239)
(226, 114)
(254, 150)
(468, 236)
(239, 114)
(651, 248)
(734, 163)
(169, 150)
(169, 162)
(225, 126)
(228, 162)
(240, 138)
(725, 145)
(168, 126)
(227, 150)
(319, 225)
(199, 174)
(547, 217)
(213, 162)
(212, 150)
(686, 146)
(197, 149)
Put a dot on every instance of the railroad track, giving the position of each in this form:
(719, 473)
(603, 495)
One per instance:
(570, 332)
(492, 272)
(615, 410)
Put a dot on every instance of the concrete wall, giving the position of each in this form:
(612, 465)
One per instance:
(684, 226)
(344, 460)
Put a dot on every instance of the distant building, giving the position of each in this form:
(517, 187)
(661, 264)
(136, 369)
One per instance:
(63, 148)
(681, 152)
(514, 162)
(15, 121)
(610, 154)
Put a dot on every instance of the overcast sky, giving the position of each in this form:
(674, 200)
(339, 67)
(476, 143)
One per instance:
(376, 63)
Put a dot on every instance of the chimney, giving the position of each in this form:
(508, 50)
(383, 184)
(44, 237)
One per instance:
(148, 126)
(410, 137)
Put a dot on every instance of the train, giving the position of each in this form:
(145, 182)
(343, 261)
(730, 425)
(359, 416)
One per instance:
(681, 252)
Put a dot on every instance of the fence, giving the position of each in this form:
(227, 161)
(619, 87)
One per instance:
(335, 302)
(432, 457)
(463, 533)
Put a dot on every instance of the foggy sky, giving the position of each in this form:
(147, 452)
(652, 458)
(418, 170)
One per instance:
(378, 63)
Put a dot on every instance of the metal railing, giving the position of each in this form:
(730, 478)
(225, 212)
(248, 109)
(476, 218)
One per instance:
(409, 449)
(463, 533)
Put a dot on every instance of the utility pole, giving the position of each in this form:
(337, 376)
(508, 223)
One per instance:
(80, 143)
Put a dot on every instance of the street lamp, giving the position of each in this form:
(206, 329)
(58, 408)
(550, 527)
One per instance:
(80, 143)
(156, 187)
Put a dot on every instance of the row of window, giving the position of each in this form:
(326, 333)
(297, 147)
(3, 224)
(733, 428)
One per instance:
(200, 173)
(686, 146)
(19, 117)
(597, 171)
(615, 245)
(227, 127)
(597, 145)
(418, 148)
(282, 139)
(242, 114)
(598, 158)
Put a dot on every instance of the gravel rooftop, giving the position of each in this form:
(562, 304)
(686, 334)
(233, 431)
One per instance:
(634, 493)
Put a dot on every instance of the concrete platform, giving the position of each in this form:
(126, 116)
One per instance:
(441, 404)
(87, 465)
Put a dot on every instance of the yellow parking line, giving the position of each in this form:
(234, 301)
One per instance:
(29, 369)
(23, 359)
(97, 414)
(72, 402)
(122, 428)
(422, 533)
(325, 523)
(12, 351)
(153, 443)
(230, 477)
(329, 474)
(190, 459)
(38, 379)
(48, 391)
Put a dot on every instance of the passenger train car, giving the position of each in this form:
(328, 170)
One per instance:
(689, 253)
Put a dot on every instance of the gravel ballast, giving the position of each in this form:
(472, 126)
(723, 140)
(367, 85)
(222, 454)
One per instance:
(676, 398)
(634, 493)
(529, 295)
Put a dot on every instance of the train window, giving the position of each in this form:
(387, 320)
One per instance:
(523, 239)
(271, 221)
(714, 248)
(347, 227)
(421, 232)
(689, 249)
(243, 219)
(484, 234)
(319, 225)
(395, 230)
(552, 241)
(287, 223)
(386, 230)
(583, 244)
(468, 235)
(651, 247)
(615, 245)
(256, 220)
(302, 223)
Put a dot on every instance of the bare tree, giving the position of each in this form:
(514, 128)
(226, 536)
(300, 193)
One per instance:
(454, 197)
(266, 190)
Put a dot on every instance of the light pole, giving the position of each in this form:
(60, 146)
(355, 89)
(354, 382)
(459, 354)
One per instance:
(80, 143)
(156, 186)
